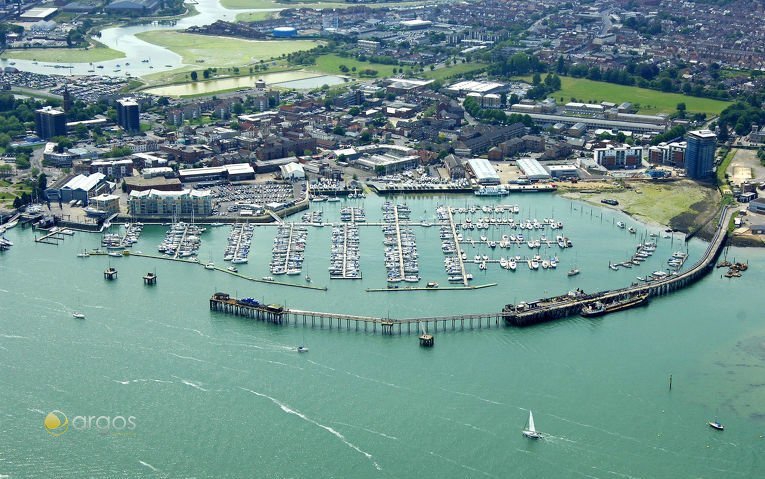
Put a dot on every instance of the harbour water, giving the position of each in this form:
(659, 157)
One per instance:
(221, 396)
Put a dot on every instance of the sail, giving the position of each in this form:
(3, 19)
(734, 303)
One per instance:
(531, 422)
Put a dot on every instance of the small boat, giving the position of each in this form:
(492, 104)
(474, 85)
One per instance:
(267, 278)
(432, 284)
(302, 349)
(84, 254)
(210, 265)
(716, 425)
(573, 272)
(620, 224)
(232, 269)
(307, 279)
(530, 431)
(78, 315)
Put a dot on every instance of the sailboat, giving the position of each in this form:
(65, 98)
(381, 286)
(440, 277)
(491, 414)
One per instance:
(530, 431)
(301, 348)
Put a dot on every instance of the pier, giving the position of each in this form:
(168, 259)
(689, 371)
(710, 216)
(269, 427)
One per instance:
(526, 314)
(277, 314)
(54, 235)
(457, 247)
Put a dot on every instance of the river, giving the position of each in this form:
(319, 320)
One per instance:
(220, 396)
(124, 39)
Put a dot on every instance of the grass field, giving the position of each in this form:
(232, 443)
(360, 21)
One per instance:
(454, 70)
(651, 101)
(222, 51)
(65, 55)
(660, 203)
(257, 4)
(331, 64)
(254, 16)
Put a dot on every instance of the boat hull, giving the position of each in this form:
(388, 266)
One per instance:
(614, 307)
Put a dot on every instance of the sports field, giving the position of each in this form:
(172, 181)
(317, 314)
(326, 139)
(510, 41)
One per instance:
(210, 51)
(651, 101)
(254, 16)
(452, 71)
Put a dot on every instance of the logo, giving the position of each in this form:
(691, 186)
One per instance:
(56, 423)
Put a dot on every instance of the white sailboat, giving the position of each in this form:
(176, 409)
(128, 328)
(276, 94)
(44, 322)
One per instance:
(530, 431)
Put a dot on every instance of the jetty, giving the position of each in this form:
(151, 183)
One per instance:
(280, 315)
(396, 289)
(457, 247)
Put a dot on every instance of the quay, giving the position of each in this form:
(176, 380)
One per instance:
(395, 188)
(539, 188)
(535, 312)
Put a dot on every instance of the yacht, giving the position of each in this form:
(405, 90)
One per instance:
(210, 265)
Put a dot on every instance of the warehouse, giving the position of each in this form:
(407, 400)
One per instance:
(532, 169)
(483, 172)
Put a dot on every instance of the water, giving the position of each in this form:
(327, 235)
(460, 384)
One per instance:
(222, 396)
(124, 39)
(291, 79)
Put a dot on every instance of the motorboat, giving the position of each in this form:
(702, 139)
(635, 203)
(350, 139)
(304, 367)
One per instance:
(210, 265)
(716, 425)
(78, 315)
(232, 269)
(573, 272)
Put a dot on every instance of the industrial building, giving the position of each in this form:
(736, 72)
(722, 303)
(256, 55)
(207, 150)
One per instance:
(234, 172)
(292, 171)
(617, 157)
(37, 14)
(544, 120)
(79, 188)
(532, 169)
(481, 87)
(700, 153)
(483, 172)
(563, 171)
(50, 122)
(167, 203)
(128, 115)
(386, 159)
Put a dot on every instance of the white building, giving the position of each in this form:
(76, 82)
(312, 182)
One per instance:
(483, 171)
(617, 157)
(532, 169)
(292, 171)
(168, 203)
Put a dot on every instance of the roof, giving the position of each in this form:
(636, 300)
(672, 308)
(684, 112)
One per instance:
(481, 168)
(169, 194)
(239, 169)
(291, 168)
(84, 183)
(532, 168)
(705, 134)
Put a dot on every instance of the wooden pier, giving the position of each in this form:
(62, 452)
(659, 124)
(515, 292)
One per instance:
(277, 314)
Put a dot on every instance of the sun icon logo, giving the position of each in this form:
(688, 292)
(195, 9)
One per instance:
(56, 423)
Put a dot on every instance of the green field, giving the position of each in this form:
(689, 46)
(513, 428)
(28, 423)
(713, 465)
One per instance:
(451, 71)
(331, 64)
(209, 51)
(255, 16)
(65, 55)
(257, 4)
(651, 101)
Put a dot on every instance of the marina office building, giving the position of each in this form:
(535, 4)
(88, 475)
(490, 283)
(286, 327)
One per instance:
(78, 188)
(169, 203)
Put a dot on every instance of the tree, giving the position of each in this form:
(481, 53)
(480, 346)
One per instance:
(536, 79)
(338, 130)
(380, 170)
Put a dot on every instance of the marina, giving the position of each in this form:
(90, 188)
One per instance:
(287, 252)
(239, 240)
(344, 255)
(182, 240)
(400, 245)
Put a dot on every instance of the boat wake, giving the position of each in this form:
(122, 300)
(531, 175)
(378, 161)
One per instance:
(468, 425)
(286, 408)
(372, 431)
(148, 465)
(191, 358)
(478, 397)
(363, 378)
(192, 384)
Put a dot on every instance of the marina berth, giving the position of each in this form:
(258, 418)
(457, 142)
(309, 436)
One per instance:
(288, 249)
